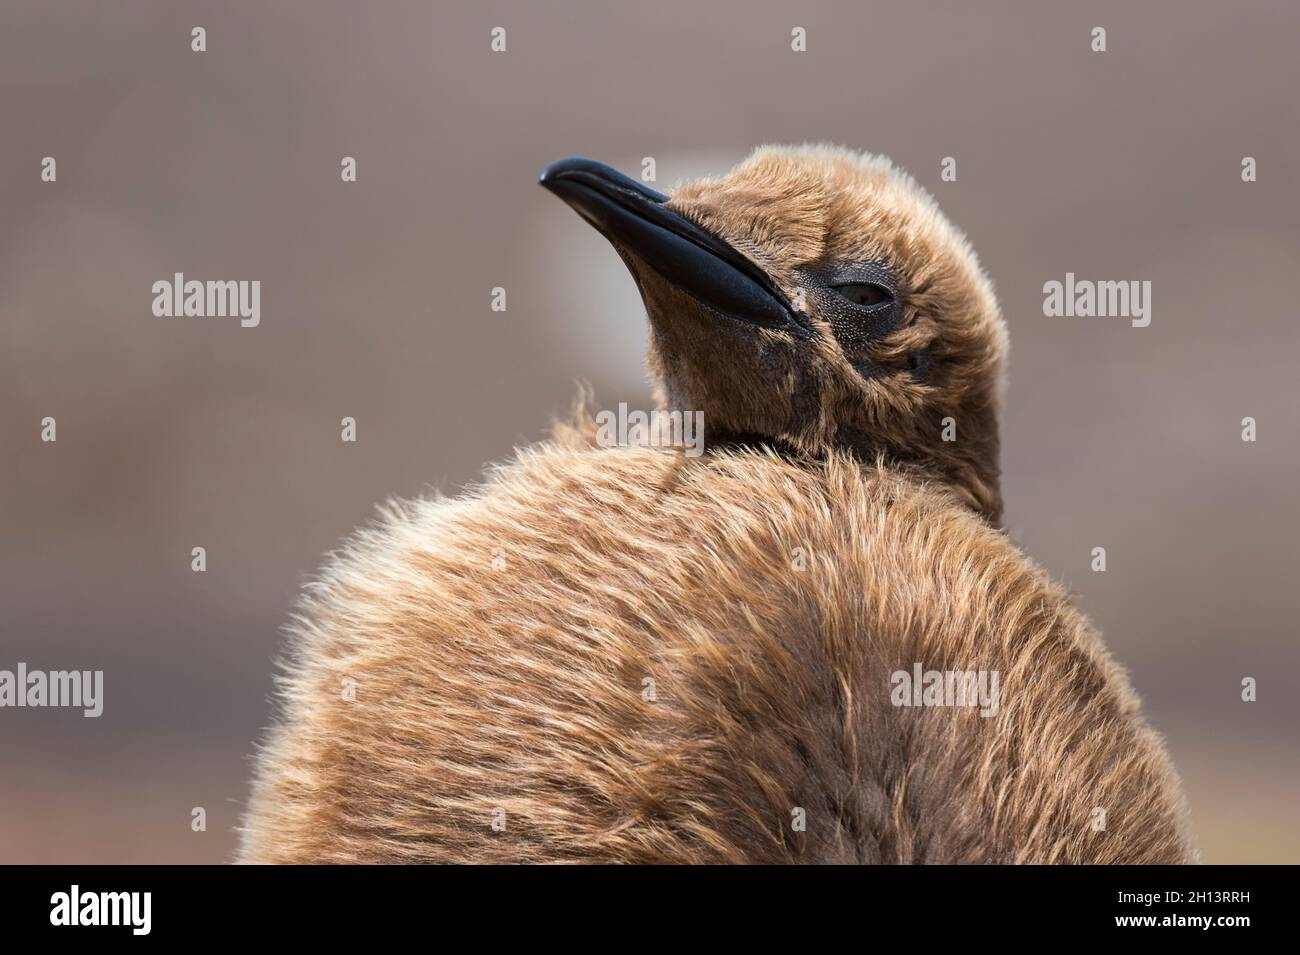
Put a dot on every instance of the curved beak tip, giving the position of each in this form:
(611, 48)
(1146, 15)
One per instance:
(552, 171)
(597, 176)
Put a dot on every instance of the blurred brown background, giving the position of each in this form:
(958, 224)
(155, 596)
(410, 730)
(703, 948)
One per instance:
(174, 433)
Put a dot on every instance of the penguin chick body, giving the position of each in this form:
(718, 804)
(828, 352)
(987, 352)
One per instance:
(633, 655)
(504, 714)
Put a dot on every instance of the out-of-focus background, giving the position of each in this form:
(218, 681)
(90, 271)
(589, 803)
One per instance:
(176, 433)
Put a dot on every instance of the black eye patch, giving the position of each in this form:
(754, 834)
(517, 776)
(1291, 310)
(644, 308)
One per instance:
(859, 300)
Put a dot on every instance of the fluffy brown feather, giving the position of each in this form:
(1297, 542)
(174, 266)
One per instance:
(521, 687)
(631, 655)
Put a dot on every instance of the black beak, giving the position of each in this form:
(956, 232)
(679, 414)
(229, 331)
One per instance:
(635, 219)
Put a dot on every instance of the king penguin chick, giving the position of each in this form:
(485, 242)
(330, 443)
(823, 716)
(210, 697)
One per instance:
(630, 654)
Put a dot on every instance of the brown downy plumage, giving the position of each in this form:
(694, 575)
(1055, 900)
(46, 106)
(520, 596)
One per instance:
(629, 654)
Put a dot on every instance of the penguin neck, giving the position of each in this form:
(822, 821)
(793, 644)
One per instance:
(971, 476)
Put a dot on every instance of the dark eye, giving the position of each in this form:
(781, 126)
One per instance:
(866, 295)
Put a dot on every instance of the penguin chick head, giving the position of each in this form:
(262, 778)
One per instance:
(813, 299)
